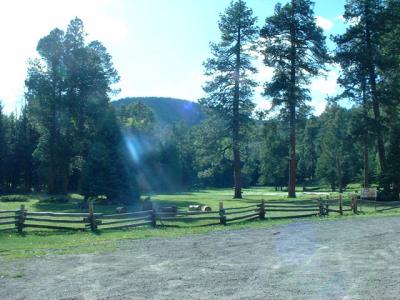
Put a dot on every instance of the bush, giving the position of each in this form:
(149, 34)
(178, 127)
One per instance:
(14, 198)
(56, 199)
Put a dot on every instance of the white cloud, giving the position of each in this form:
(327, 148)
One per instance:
(324, 23)
(321, 88)
(263, 105)
(340, 18)
(325, 86)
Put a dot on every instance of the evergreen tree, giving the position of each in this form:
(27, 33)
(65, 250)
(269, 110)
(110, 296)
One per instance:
(230, 88)
(26, 142)
(274, 162)
(392, 175)
(213, 152)
(105, 169)
(337, 163)
(360, 45)
(45, 85)
(353, 79)
(3, 145)
(295, 47)
(307, 150)
(68, 93)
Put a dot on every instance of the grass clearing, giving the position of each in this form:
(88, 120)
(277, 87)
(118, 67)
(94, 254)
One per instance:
(39, 243)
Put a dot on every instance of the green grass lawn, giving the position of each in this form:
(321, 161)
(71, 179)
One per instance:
(38, 242)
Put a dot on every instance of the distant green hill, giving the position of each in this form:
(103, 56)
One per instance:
(168, 111)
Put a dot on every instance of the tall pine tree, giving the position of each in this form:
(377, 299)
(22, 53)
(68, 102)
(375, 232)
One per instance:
(230, 87)
(295, 47)
(360, 44)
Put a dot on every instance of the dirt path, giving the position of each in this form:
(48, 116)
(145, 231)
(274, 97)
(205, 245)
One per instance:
(345, 259)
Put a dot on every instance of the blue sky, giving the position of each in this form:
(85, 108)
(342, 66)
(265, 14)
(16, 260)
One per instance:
(158, 46)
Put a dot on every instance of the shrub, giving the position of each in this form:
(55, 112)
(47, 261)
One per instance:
(14, 198)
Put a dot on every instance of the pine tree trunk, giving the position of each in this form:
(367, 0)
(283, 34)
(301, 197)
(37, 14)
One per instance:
(292, 154)
(292, 109)
(372, 80)
(339, 173)
(236, 124)
(365, 134)
(51, 186)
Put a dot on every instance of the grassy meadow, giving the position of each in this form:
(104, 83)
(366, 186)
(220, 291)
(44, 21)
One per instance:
(38, 242)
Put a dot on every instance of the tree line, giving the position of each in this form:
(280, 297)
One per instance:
(295, 47)
(69, 138)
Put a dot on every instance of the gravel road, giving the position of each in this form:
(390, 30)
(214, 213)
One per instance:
(343, 259)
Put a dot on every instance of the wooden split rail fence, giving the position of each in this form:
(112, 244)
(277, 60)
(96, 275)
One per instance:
(22, 218)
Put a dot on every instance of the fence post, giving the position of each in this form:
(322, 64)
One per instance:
(20, 216)
(222, 216)
(327, 208)
(92, 217)
(340, 205)
(321, 209)
(262, 210)
(354, 204)
(153, 216)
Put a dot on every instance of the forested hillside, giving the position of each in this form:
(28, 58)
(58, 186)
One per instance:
(167, 111)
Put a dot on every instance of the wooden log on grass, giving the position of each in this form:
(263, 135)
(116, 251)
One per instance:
(121, 210)
(199, 208)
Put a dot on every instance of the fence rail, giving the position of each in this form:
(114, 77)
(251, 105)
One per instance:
(271, 210)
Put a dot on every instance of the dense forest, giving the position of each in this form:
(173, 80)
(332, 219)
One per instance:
(70, 137)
